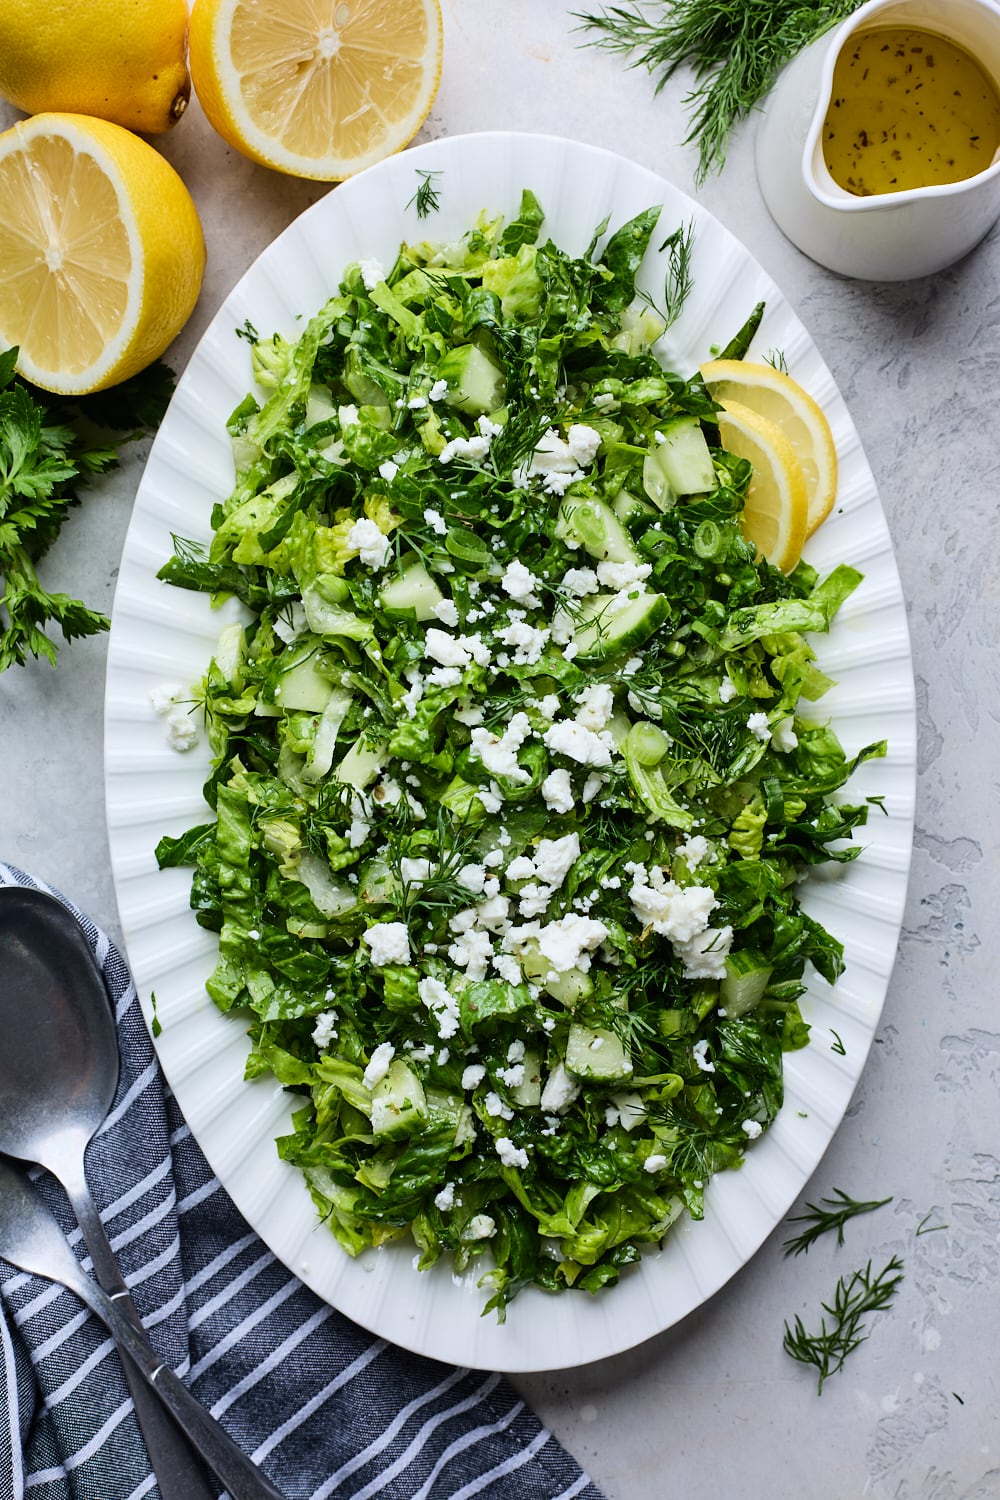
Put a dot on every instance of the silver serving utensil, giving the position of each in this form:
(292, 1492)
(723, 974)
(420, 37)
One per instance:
(31, 1239)
(58, 1074)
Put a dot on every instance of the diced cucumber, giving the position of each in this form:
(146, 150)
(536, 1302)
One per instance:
(229, 654)
(475, 384)
(362, 763)
(411, 592)
(680, 465)
(630, 510)
(595, 527)
(301, 685)
(598, 1054)
(746, 978)
(598, 633)
(528, 1094)
(319, 758)
(450, 1109)
(569, 987)
(378, 884)
(399, 1105)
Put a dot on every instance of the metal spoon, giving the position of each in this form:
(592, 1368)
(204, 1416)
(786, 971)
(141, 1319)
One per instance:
(31, 1239)
(58, 1074)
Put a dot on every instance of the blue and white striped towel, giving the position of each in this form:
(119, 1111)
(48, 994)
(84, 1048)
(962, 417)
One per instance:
(321, 1405)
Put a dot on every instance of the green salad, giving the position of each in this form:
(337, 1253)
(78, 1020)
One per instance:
(512, 787)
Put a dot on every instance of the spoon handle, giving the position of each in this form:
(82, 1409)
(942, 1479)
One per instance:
(238, 1473)
(179, 1474)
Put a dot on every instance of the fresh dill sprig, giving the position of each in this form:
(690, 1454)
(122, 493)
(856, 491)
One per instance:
(776, 359)
(426, 197)
(837, 1045)
(924, 1228)
(735, 48)
(854, 1297)
(828, 1214)
(678, 280)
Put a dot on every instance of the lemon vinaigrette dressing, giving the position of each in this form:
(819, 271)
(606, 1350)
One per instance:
(908, 109)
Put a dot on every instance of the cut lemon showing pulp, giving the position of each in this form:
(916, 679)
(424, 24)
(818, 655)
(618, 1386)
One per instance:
(774, 516)
(780, 399)
(316, 88)
(101, 252)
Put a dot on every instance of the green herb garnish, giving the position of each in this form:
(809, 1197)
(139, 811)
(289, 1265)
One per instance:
(828, 1214)
(855, 1296)
(426, 197)
(735, 47)
(43, 457)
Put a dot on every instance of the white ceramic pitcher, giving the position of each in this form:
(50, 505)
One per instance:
(887, 236)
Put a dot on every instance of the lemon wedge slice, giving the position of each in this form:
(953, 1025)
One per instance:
(101, 251)
(316, 88)
(776, 396)
(777, 505)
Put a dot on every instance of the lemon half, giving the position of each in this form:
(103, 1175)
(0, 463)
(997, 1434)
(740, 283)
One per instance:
(316, 88)
(101, 251)
(776, 396)
(774, 516)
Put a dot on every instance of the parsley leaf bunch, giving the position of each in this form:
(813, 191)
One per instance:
(43, 456)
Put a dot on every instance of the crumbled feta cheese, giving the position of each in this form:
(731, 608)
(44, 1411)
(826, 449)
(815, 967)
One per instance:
(388, 470)
(727, 690)
(548, 706)
(561, 1088)
(704, 955)
(493, 913)
(783, 736)
(752, 1129)
(492, 799)
(378, 1065)
(472, 878)
(623, 577)
(507, 967)
(479, 1227)
(414, 871)
(759, 728)
(595, 705)
(445, 1199)
(417, 403)
(566, 737)
(446, 649)
(473, 448)
(446, 610)
(554, 858)
(519, 582)
(628, 1108)
(436, 521)
(388, 942)
(442, 1005)
(182, 731)
(472, 952)
(694, 850)
(509, 1154)
(473, 1076)
(557, 791)
(496, 1108)
(593, 784)
(291, 623)
(372, 272)
(325, 1029)
(583, 443)
(528, 640)
(580, 582)
(569, 942)
(166, 696)
(369, 542)
(675, 912)
(654, 1163)
(700, 1050)
(499, 754)
(438, 390)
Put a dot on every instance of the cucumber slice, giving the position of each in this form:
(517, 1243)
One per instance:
(597, 1054)
(680, 465)
(528, 1094)
(362, 763)
(594, 526)
(475, 384)
(399, 1105)
(301, 685)
(599, 633)
(411, 592)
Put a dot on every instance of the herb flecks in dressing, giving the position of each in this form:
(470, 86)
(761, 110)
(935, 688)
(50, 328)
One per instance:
(908, 109)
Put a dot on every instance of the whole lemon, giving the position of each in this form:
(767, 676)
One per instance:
(122, 60)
